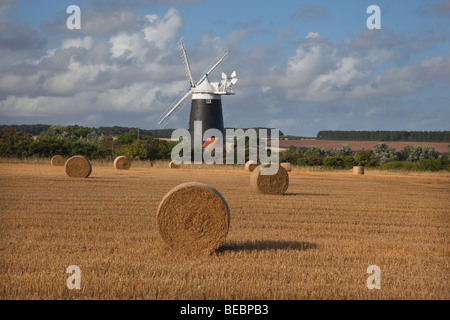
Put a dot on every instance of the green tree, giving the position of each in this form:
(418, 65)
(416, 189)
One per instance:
(334, 162)
(430, 164)
(48, 147)
(365, 158)
(383, 153)
(417, 153)
(161, 149)
(14, 143)
(339, 162)
(127, 138)
(309, 161)
(138, 150)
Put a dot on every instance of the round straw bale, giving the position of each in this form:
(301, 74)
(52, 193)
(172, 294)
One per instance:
(78, 167)
(193, 218)
(57, 160)
(269, 184)
(286, 165)
(250, 165)
(358, 170)
(173, 165)
(122, 163)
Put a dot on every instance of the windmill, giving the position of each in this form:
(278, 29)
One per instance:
(206, 103)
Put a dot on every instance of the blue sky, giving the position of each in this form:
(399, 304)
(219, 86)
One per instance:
(303, 66)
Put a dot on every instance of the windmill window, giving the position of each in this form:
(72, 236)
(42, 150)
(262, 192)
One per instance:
(208, 101)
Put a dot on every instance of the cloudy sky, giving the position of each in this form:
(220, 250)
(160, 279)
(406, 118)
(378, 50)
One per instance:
(303, 66)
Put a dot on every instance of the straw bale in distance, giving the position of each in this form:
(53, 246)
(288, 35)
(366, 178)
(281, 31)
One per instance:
(269, 184)
(173, 165)
(122, 163)
(78, 167)
(57, 160)
(250, 165)
(358, 170)
(286, 165)
(193, 218)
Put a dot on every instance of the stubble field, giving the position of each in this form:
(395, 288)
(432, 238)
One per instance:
(361, 145)
(315, 242)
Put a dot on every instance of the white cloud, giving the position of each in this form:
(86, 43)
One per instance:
(78, 77)
(312, 35)
(139, 97)
(161, 31)
(139, 70)
(98, 21)
(11, 84)
(401, 81)
(130, 45)
(314, 57)
(128, 73)
(323, 71)
(158, 33)
(85, 43)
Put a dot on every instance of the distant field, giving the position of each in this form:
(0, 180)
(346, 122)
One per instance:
(359, 145)
(315, 242)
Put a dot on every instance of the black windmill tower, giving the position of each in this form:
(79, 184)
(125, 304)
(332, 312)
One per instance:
(206, 105)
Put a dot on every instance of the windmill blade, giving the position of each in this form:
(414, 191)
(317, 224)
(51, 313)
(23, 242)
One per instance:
(174, 109)
(233, 81)
(233, 75)
(186, 63)
(214, 66)
(224, 76)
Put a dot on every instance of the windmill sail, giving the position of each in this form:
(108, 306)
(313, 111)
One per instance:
(214, 66)
(174, 109)
(186, 63)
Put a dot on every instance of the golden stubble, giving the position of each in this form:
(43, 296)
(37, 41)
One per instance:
(314, 242)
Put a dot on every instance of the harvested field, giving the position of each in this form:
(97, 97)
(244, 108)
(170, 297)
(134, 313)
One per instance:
(314, 242)
(359, 145)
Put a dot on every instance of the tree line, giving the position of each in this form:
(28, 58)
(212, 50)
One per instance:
(37, 129)
(416, 136)
(75, 140)
(413, 157)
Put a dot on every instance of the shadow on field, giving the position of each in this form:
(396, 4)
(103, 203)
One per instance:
(267, 245)
(306, 194)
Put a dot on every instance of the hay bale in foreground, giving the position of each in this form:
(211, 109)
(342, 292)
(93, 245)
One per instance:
(286, 165)
(78, 167)
(173, 165)
(251, 165)
(269, 184)
(57, 160)
(358, 170)
(193, 218)
(122, 163)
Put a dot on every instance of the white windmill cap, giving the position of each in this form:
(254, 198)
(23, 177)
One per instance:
(204, 87)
